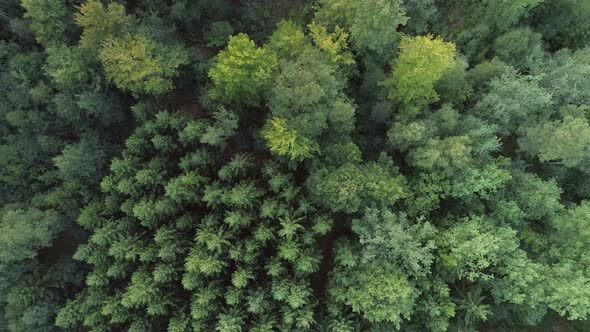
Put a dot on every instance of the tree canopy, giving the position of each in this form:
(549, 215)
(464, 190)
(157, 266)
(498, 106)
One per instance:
(277, 165)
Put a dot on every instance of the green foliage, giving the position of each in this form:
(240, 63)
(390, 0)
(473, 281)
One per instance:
(212, 256)
(380, 294)
(422, 61)
(482, 73)
(513, 101)
(218, 34)
(454, 86)
(507, 15)
(565, 23)
(49, 20)
(536, 197)
(288, 40)
(446, 155)
(81, 161)
(566, 77)
(393, 238)
(69, 66)
(25, 232)
(334, 45)
(520, 48)
(333, 166)
(471, 247)
(100, 22)
(372, 24)
(141, 65)
(350, 186)
(242, 72)
(225, 124)
(569, 275)
(308, 101)
(375, 278)
(374, 28)
(284, 141)
(566, 141)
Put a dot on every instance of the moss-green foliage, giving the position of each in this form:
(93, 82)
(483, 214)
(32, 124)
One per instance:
(99, 22)
(277, 165)
(49, 20)
(138, 64)
(521, 48)
(195, 238)
(372, 24)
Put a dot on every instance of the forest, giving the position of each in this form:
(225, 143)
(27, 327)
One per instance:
(294, 165)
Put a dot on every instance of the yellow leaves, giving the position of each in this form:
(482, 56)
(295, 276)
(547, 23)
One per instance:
(284, 141)
(86, 11)
(288, 40)
(422, 61)
(139, 64)
(334, 44)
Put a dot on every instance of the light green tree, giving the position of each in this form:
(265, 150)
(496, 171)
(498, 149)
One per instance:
(139, 64)
(242, 72)
(422, 61)
(100, 22)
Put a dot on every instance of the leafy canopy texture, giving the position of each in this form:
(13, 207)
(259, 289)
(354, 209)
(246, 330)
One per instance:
(242, 72)
(139, 64)
(422, 61)
(278, 165)
(196, 232)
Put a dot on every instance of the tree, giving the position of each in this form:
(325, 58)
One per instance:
(422, 61)
(372, 24)
(288, 40)
(566, 141)
(100, 22)
(218, 34)
(24, 233)
(141, 65)
(82, 161)
(48, 20)
(521, 48)
(454, 86)
(242, 72)
(374, 28)
(570, 262)
(375, 278)
(566, 77)
(537, 198)
(507, 16)
(379, 293)
(333, 166)
(198, 232)
(564, 24)
(308, 102)
(349, 186)
(513, 101)
(334, 45)
(284, 141)
(447, 155)
(69, 66)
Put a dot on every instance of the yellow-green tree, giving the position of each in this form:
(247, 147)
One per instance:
(99, 22)
(139, 64)
(422, 61)
(286, 142)
(242, 72)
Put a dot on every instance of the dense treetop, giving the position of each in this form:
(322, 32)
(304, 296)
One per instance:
(276, 165)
